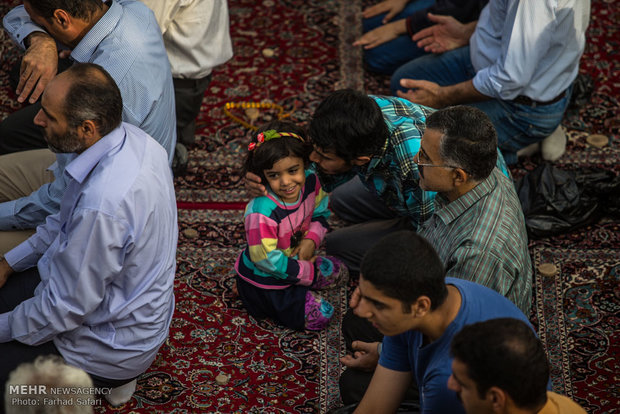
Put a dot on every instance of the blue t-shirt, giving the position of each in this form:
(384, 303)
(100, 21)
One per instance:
(431, 364)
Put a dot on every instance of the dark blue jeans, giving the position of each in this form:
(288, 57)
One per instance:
(517, 125)
(388, 57)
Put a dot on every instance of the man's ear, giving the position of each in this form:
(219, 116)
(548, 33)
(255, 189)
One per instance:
(361, 160)
(497, 398)
(89, 131)
(62, 18)
(421, 306)
(459, 177)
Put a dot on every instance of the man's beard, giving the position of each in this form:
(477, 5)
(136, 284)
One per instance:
(69, 142)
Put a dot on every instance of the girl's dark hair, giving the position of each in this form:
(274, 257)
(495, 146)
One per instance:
(264, 156)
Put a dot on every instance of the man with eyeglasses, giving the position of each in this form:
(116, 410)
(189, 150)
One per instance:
(477, 227)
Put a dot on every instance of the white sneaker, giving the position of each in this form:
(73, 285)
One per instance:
(120, 395)
(554, 145)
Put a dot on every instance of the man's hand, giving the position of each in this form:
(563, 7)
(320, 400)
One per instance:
(365, 356)
(254, 186)
(355, 298)
(447, 34)
(5, 271)
(305, 250)
(422, 92)
(392, 7)
(39, 66)
(382, 34)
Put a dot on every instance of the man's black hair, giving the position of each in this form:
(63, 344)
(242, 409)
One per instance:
(350, 124)
(264, 156)
(93, 95)
(82, 9)
(505, 353)
(404, 266)
(469, 139)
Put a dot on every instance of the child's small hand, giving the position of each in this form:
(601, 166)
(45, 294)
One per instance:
(305, 250)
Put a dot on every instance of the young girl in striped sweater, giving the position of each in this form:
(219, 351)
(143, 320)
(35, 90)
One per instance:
(278, 273)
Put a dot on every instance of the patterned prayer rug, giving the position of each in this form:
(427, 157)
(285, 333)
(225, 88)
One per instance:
(286, 52)
(9, 55)
(577, 312)
(293, 53)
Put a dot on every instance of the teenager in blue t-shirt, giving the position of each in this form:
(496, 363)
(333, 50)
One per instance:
(403, 292)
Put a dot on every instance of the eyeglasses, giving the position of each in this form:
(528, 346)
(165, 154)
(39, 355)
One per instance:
(416, 159)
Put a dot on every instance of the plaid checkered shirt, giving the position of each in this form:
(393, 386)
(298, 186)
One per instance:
(392, 174)
(481, 237)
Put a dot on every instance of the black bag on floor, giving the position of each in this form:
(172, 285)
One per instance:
(555, 201)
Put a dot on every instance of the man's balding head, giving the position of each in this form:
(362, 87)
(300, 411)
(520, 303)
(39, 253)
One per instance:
(79, 107)
(92, 95)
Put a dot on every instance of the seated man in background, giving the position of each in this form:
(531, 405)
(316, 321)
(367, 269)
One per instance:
(500, 366)
(478, 228)
(123, 37)
(404, 293)
(518, 68)
(95, 282)
(197, 39)
(389, 44)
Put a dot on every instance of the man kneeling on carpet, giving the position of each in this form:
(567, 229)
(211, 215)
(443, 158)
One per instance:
(95, 282)
(404, 293)
(278, 273)
(500, 366)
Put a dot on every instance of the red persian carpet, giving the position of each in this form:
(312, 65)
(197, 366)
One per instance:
(292, 53)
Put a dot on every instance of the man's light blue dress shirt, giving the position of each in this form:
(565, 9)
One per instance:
(127, 43)
(528, 47)
(106, 260)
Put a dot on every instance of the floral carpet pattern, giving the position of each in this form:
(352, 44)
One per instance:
(292, 53)
(578, 311)
(286, 53)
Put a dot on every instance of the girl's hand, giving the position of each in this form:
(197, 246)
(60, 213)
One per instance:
(305, 250)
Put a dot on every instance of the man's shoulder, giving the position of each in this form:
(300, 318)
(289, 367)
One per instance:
(480, 303)
(138, 167)
(559, 404)
(493, 201)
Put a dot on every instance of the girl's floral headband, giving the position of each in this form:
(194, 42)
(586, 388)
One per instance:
(271, 134)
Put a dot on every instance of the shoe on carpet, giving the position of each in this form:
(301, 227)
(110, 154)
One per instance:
(180, 160)
(329, 272)
(554, 145)
(120, 395)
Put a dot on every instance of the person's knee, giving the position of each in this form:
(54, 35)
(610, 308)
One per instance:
(6, 133)
(338, 202)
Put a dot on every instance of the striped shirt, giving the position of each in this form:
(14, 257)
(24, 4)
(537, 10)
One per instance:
(269, 225)
(392, 174)
(127, 43)
(481, 237)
